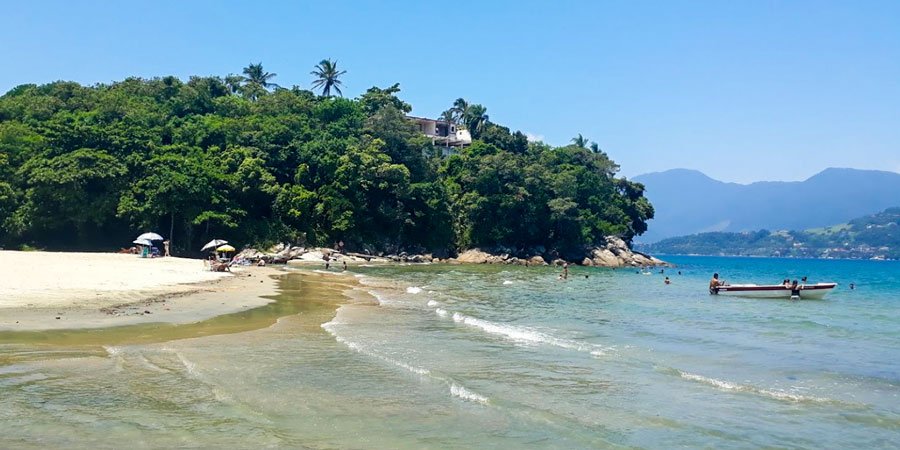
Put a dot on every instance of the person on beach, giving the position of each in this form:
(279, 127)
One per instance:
(327, 261)
(345, 266)
(714, 284)
(166, 248)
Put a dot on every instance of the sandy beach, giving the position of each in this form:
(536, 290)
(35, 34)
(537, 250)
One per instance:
(44, 290)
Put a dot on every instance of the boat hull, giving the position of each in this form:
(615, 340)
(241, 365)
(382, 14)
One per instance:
(809, 291)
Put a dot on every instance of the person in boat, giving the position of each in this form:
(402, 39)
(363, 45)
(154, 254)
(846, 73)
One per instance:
(714, 284)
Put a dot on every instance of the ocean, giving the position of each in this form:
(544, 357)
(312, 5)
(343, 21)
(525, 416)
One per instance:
(441, 356)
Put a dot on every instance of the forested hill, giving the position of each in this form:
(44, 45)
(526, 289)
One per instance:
(874, 236)
(90, 167)
(689, 202)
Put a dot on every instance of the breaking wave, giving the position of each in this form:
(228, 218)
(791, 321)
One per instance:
(736, 387)
(525, 335)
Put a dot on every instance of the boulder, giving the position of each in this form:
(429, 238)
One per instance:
(587, 262)
(537, 260)
(473, 256)
(605, 258)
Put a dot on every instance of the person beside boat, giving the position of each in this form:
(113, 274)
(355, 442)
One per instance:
(795, 289)
(714, 284)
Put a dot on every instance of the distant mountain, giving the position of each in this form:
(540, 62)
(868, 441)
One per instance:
(689, 202)
(875, 236)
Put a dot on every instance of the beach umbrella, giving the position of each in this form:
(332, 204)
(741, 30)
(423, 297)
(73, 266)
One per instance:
(213, 244)
(150, 237)
(225, 248)
(142, 242)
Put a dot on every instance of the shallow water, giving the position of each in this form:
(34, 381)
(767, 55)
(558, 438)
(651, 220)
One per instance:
(486, 356)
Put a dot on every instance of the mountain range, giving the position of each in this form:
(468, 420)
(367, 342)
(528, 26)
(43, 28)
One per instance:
(690, 202)
(875, 236)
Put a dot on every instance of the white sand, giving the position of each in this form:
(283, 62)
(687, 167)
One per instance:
(93, 280)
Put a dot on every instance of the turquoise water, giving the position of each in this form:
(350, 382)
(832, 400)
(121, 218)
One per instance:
(443, 356)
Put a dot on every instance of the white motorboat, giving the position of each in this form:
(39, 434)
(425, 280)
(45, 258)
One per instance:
(802, 291)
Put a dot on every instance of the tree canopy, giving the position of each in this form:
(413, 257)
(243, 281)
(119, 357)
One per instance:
(89, 166)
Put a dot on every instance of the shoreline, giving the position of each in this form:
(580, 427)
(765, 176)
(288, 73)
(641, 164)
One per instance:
(101, 295)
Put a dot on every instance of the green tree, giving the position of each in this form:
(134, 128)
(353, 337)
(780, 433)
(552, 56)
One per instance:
(327, 77)
(256, 81)
(580, 141)
(476, 119)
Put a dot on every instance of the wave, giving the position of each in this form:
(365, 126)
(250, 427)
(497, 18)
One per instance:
(465, 394)
(360, 348)
(441, 312)
(456, 390)
(735, 387)
(413, 290)
(432, 303)
(507, 282)
(189, 366)
(525, 335)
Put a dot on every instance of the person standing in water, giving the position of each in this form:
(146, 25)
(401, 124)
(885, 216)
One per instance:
(565, 271)
(667, 281)
(714, 284)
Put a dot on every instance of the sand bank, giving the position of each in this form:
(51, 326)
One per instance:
(43, 290)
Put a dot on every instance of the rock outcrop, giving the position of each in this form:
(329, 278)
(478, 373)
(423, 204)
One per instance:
(615, 253)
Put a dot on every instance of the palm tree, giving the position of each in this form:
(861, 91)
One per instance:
(448, 116)
(460, 110)
(595, 147)
(254, 74)
(326, 74)
(233, 83)
(476, 119)
(580, 141)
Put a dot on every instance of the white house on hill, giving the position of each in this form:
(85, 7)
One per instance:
(447, 134)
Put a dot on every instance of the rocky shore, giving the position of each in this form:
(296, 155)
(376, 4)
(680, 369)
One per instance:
(615, 253)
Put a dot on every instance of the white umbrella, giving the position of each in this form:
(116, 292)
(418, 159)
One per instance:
(213, 244)
(142, 242)
(150, 237)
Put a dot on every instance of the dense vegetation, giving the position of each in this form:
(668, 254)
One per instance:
(873, 236)
(89, 167)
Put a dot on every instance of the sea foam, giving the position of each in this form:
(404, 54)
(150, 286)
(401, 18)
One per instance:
(730, 386)
(525, 335)
(465, 394)
(365, 350)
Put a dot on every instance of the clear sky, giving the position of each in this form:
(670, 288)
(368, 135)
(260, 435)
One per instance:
(742, 90)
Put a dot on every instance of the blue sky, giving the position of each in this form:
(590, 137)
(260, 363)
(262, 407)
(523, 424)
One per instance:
(741, 90)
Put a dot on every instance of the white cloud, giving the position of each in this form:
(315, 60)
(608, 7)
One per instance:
(534, 137)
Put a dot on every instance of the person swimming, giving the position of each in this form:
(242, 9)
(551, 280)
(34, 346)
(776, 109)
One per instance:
(667, 281)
